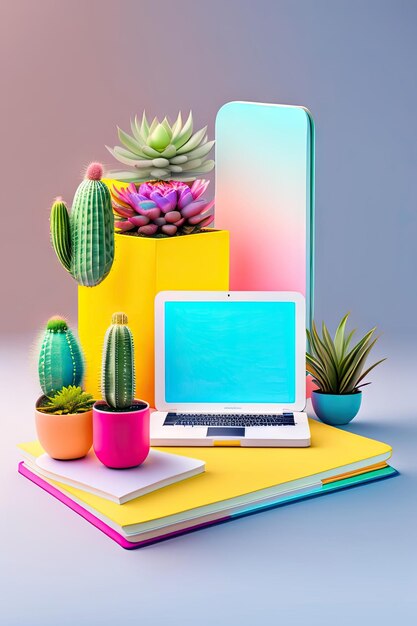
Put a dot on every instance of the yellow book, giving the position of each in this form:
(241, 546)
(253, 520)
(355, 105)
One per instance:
(234, 477)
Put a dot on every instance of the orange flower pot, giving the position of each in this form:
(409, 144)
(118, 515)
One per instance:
(65, 437)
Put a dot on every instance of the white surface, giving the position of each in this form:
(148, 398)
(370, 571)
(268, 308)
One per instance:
(351, 553)
(230, 296)
(158, 470)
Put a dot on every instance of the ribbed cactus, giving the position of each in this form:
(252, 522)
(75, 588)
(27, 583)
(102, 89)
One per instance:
(60, 360)
(84, 240)
(118, 369)
(61, 232)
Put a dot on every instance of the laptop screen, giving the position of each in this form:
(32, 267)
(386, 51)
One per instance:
(230, 352)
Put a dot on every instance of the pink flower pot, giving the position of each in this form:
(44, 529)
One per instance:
(121, 438)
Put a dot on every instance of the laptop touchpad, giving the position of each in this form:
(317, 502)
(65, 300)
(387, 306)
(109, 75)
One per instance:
(218, 431)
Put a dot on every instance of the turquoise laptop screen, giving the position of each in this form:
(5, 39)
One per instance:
(238, 352)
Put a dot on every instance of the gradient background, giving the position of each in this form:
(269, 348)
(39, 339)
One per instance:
(71, 71)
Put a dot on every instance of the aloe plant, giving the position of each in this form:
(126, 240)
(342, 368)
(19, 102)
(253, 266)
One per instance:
(336, 367)
(67, 401)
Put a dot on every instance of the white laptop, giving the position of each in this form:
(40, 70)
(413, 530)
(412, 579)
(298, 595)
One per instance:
(230, 369)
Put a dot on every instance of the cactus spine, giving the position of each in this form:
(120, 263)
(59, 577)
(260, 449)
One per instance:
(118, 369)
(60, 360)
(84, 240)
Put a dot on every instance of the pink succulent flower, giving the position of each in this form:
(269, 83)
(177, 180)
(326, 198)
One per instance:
(163, 207)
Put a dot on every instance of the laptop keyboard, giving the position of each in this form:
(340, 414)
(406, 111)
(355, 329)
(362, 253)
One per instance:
(228, 419)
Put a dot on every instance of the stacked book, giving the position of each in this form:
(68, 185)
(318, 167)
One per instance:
(177, 490)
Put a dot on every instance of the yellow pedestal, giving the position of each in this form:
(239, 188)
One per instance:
(142, 267)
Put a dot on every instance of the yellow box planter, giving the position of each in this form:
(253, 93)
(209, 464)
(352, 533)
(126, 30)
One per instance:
(142, 267)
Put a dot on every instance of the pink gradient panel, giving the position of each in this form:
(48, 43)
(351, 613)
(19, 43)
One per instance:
(263, 195)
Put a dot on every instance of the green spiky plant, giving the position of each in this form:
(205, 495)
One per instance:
(118, 368)
(60, 360)
(84, 240)
(336, 367)
(161, 151)
(67, 401)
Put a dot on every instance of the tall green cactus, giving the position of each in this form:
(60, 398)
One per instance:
(84, 240)
(118, 369)
(60, 360)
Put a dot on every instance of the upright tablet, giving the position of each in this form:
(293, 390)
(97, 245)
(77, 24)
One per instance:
(265, 196)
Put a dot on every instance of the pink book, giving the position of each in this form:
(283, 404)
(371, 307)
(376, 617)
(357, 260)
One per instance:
(168, 534)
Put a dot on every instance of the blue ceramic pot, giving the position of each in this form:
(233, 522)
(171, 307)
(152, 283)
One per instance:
(336, 409)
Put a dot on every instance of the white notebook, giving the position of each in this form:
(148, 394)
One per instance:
(160, 469)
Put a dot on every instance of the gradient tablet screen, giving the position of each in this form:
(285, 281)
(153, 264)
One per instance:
(264, 196)
(230, 352)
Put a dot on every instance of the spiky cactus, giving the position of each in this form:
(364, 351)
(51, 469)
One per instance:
(60, 360)
(118, 369)
(84, 240)
(161, 151)
(69, 400)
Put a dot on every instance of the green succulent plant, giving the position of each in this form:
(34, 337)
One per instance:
(336, 367)
(161, 151)
(68, 400)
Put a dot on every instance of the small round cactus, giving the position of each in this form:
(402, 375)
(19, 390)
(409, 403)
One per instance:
(60, 360)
